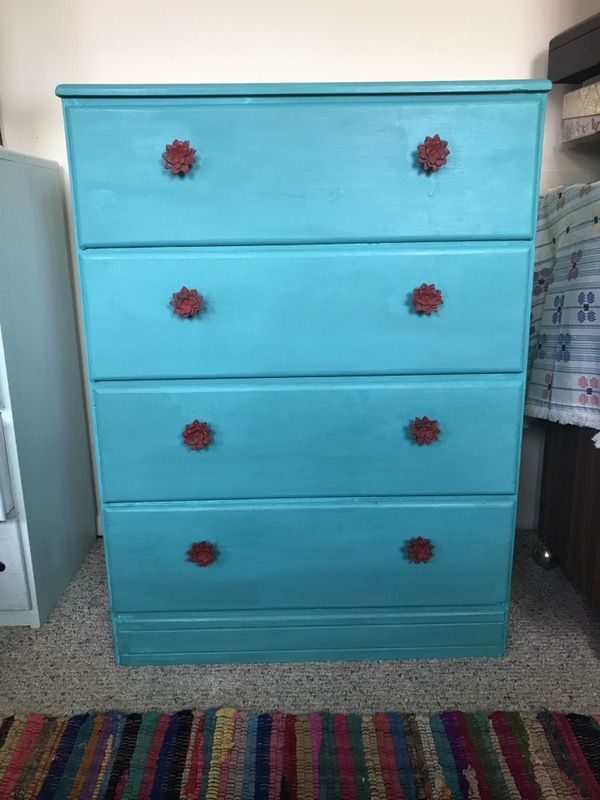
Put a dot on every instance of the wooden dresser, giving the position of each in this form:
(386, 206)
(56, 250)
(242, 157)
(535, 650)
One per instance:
(306, 315)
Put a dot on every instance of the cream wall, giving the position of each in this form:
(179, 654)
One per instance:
(45, 42)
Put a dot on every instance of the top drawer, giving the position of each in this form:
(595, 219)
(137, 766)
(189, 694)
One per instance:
(308, 169)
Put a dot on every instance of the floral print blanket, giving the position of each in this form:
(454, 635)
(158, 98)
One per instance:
(564, 345)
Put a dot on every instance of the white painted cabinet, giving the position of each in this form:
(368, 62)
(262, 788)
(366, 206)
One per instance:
(47, 515)
(6, 495)
(14, 591)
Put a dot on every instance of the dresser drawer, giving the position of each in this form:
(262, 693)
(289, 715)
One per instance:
(324, 310)
(303, 169)
(309, 555)
(14, 592)
(307, 437)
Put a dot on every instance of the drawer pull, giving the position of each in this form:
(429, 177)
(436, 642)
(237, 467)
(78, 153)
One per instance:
(197, 435)
(433, 153)
(186, 303)
(426, 298)
(2, 566)
(202, 553)
(179, 157)
(424, 430)
(419, 550)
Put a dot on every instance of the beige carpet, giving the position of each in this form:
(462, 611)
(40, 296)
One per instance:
(553, 661)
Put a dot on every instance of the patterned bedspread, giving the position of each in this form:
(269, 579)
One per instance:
(564, 347)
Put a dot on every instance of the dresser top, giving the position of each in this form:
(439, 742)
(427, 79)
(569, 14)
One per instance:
(290, 89)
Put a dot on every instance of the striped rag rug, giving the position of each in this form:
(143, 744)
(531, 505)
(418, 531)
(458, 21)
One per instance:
(226, 754)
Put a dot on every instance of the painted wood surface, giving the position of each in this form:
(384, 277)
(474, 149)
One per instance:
(14, 589)
(40, 384)
(320, 636)
(303, 169)
(317, 555)
(307, 437)
(305, 310)
(95, 90)
(307, 363)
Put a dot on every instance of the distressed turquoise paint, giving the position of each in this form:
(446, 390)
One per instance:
(308, 361)
(303, 170)
(242, 641)
(313, 635)
(307, 437)
(302, 89)
(309, 555)
(270, 310)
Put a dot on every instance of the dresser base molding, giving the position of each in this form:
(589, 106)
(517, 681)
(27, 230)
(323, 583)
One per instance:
(355, 634)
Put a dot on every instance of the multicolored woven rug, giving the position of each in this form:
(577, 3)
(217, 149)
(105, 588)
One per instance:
(226, 755)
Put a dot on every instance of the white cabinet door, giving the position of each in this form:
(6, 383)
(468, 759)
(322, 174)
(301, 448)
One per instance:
(14, 595)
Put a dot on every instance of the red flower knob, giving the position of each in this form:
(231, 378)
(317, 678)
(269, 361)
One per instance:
(419, 550)
(197, 435)
(426, 298)
(179, 157)
(202, 553)
(433, 153)
(424, 430)
(186, 302)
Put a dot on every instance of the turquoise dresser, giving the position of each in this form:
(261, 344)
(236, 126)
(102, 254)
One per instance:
(306, 313)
